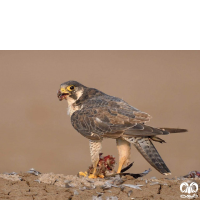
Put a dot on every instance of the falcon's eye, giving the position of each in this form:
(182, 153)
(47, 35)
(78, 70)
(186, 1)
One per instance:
(70, 88)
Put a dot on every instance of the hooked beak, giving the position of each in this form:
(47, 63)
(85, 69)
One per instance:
(62, 94)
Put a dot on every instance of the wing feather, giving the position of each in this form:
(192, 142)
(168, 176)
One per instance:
(109, 117)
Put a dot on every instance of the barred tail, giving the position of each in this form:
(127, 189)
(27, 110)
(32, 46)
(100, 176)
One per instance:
(149, 152)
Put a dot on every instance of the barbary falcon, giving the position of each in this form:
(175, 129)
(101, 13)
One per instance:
(96, 115)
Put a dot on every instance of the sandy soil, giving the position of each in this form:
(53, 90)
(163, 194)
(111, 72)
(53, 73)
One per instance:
(49, 186)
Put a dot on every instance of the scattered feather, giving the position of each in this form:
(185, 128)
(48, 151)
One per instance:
(193, 174)
(155, 183)
(137, 175)
(33, 171)
(133, 186)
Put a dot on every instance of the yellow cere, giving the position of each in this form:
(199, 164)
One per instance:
(63, 90)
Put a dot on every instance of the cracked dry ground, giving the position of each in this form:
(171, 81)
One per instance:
(24, 187)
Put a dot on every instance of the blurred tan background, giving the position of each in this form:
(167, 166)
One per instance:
(35, 130)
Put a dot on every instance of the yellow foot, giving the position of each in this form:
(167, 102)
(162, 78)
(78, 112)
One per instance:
(101, 176)
(83, 174)
(92, 176)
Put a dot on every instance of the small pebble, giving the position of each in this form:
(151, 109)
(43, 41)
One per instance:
(111, 198)
(12, 173)
(67, 181)
(67, 185)
(90, 181)
(37, 180)
(129, 193)
(76, 193)
(99, 193)
(82, 188)
(96, 198)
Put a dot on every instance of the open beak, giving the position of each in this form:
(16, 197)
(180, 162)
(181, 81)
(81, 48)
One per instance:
(62, 94)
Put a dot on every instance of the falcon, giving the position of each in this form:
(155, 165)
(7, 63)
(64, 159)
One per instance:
(96, 116)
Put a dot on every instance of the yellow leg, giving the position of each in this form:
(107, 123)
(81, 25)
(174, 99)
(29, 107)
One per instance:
(93, 175)
(121, 163)
(124, 150)
(95, 149)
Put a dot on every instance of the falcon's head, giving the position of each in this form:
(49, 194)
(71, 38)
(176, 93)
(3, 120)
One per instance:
(70, 90)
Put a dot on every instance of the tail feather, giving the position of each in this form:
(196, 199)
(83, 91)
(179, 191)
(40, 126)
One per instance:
(149, 152)
(142, 130)
(174, 130)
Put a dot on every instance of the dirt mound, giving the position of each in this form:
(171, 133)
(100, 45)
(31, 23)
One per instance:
(49, 186)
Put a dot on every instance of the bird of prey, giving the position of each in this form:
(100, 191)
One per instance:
(96, 115)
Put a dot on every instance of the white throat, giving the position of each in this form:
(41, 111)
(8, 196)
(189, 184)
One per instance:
(71, 108)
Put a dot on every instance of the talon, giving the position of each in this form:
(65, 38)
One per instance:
(83, 174)
(92, 176)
